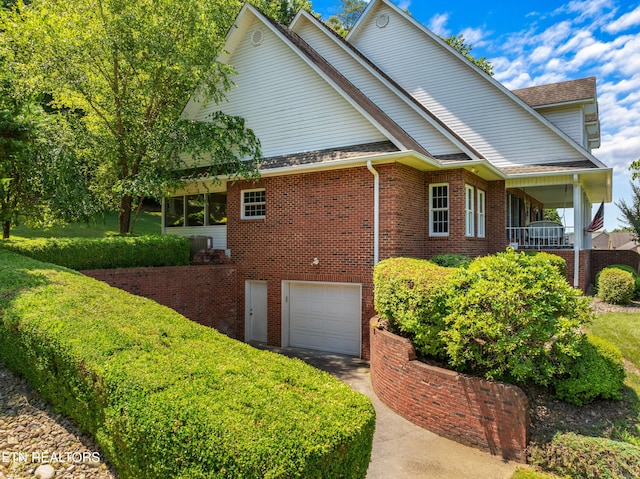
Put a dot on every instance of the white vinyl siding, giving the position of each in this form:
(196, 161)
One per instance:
(468, 210)
(486, 116)
(569, 119)
(439, 209)
(289, 106)
(482, 219)
(394, 106)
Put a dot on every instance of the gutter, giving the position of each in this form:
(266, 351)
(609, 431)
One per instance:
(376, 212)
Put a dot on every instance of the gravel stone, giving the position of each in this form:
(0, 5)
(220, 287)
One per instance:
(36, 442)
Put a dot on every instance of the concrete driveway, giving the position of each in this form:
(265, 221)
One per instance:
(401, 449)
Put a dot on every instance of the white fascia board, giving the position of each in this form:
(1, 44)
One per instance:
(443, 131)
(484, 75)
(587, 171)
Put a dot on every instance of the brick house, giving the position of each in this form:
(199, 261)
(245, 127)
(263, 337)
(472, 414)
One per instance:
(388, 143)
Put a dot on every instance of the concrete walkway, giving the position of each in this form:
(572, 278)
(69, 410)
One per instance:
(402, 450)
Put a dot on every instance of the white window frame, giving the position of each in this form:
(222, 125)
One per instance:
(482, 217)
(469, 205)
(433, 210)
(243, 210)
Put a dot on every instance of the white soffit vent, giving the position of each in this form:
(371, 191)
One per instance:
(257, 37)
(382, 20)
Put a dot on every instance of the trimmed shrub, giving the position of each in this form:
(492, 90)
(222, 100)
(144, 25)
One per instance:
(556, 261)
(411, 294)
(597, 373)
(572, 455)
(451, 260)
(629, 269)
(616, 286)
(106, 253)
(166, 397)
(513, 317)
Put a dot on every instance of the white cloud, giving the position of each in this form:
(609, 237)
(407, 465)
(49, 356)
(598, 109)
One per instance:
(541, 54)
(437, 24)
(589, 8)
(628, 20)
(474, 37)
(404, 4)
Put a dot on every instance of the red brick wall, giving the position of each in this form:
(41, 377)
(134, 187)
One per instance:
(489, 415)
(205, 294)
(329, 215)
(600, 259)
(594, 261)
(326, 215)
(457, 241)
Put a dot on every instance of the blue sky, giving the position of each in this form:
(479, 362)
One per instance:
(533, 43)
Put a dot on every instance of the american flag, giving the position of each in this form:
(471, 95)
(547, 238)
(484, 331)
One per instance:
(598, 220)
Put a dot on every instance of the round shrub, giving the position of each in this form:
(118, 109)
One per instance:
(629, 269)
(410, 294)
(597, 373)
(513, 317)
(616, 286)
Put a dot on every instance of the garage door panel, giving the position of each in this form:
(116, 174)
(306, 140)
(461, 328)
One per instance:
(325, 317)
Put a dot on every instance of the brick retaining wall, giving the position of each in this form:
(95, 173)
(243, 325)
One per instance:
(488, 415)
(204, 293)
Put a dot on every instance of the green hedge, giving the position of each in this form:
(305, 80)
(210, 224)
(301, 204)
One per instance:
(572, 455)
(410, 294)
(167, 398)
(106, 253)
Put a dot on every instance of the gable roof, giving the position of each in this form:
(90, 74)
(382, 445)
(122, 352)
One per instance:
(402, 137)
(392, 86)
(481, 92)
(514, 141)
(570, 91)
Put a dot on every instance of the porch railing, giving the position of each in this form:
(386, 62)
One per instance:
(541, 235)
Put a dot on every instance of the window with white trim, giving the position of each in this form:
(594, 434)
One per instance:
(481, 214)
(468, 210)
(439, 209)
(253, 204)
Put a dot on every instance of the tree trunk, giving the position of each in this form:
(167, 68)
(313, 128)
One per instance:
(124, 214)
(6, 229)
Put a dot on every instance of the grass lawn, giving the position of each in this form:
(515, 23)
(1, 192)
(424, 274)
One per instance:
(147, 223)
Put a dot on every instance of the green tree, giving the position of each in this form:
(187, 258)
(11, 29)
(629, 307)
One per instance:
(551, 214)
(348, 14)
(282, 11)
(458, 42)
(126, 70)
(631, 211)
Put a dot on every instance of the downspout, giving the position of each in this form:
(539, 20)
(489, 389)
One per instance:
(376, 212)
(577, 229)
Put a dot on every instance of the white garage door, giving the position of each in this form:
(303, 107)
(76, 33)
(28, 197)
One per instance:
(325, 316)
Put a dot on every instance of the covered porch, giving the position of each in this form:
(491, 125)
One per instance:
(573, 194)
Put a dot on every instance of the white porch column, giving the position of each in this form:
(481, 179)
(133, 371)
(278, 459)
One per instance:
(578, 233)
